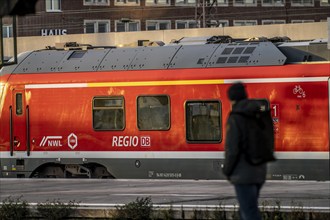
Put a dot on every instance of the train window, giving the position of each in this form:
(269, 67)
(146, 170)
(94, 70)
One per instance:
(108, 113)
(19, 104)
(153, 112)
(203, 121)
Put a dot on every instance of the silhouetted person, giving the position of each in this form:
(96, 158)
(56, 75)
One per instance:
(246, 178)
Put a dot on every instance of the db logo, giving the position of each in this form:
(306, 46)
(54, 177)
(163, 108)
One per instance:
(72, 141)
(145, 141)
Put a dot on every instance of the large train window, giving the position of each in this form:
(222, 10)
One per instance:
(153, 112)
(203, 121)
(108, 113)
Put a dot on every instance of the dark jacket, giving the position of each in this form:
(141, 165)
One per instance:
(236, 168)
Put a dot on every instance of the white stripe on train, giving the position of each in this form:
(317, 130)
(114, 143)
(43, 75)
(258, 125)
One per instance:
(153, 155)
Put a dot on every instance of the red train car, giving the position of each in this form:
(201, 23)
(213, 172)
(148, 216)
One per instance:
(160, 112)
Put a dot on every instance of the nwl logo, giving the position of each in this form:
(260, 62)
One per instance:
(51, 141)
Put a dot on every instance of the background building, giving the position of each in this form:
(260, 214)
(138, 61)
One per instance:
(60, 17)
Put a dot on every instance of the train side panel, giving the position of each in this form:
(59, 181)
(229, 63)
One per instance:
(67, 138)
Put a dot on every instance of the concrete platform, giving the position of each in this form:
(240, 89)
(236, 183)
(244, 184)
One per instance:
(97, 196)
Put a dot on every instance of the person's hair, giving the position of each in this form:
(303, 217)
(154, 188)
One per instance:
(237, 92)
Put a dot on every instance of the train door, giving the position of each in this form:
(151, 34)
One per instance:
(18, 121)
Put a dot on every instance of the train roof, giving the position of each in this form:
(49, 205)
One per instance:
(206, 53)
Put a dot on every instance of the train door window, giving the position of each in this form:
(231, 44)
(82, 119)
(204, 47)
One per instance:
(203, 121)
(153, 112)
(19, 104)
(108, 113)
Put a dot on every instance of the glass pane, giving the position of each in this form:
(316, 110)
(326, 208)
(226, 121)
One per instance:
(108, 113)
(153, 112)
(120, 27)
(111, 119)
(203, 121)
(48, 5)
(19, 104)
(181, 25)
(103, 27)
(163, 1)
(164, 26)
(192, 24)
(132, 26)
(57, 5)
(151, 25)
(89, 28)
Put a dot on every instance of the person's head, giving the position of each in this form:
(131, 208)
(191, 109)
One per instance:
(236, 92)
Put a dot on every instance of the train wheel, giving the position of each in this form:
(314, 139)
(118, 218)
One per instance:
(50, 171)
(101, 172)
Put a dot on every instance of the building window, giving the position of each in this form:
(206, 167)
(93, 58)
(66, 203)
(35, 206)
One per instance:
(273, 2)
(7, 31)
(184, 24)
(185, 2)
(153, 112)
(126, 26)
(245, 3)
(127, 2)
(97, 26)
(301, 21)
(221, 2)
(302, 2)
(265, 22)
(157, 2)
(53, 5)
(108, 113)
(325, 2)
(219, 23)
(158, 25)
(245, 22)
(203, 121)
(97, 2)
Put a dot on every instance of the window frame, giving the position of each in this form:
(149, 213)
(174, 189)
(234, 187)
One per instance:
(168, 111)
(7, 31)
(168, 22)
(52, 6)
(127, 25)
(96, 25)
(156, 3)
(186, 24)
(125, 3)
(245, 21)
(96, 3)
(245, 4)
(273, 21)
(300, 21)
(303, 4)
(324, 4)
(219, 118)
(185, 3)
(274, 3)
(123, 107)
(226, 22)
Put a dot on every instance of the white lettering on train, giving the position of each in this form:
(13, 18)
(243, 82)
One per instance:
(54, 143)
(125, 141)
(51, 141)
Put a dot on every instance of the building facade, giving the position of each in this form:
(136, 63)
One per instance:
(59, 17)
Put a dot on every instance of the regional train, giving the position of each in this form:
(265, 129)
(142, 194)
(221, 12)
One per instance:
(160, 112)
